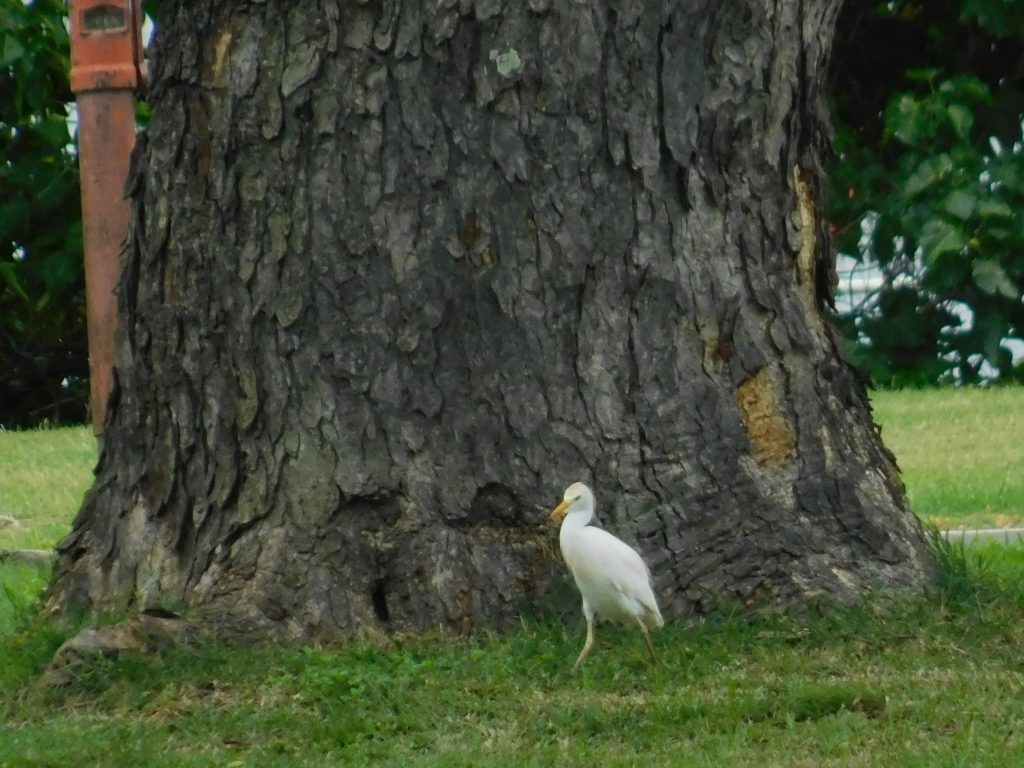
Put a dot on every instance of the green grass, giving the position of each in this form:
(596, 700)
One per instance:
(933, 682)
(961, 452)
(937, 681)
(43, 476)
(19, 586)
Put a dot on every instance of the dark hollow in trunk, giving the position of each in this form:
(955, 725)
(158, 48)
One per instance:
(402, 271)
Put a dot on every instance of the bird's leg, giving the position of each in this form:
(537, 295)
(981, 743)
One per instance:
(647, 639)
(587, 645)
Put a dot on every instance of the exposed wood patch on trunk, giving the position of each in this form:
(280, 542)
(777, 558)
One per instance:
(217, 57)
(808, 223)
(762, 417)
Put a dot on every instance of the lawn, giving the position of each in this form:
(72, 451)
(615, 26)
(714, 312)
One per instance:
(935, 681)
(938, 681)
(961, 452)
(45, 473)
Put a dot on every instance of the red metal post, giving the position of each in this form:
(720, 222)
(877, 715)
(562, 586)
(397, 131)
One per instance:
(106, 46)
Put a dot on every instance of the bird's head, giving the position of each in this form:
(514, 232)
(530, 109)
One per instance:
(577, 497)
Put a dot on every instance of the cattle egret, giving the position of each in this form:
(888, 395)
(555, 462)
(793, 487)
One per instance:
(612, 577)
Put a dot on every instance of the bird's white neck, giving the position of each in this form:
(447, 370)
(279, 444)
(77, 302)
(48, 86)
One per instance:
(574, 522)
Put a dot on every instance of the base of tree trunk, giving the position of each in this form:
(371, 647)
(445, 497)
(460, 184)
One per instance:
(401, 272)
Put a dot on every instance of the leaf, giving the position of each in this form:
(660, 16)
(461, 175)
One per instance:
(939, 236)
(11, 51)
(904, 119)
(10, 276)
(53, 130)
(989, 209)
(961, 204)
(967, 87)
(990, 277)
(1009, 175)
(928, 173)
(884, 237)
(962, 119)
(991, 328)
(60, 271)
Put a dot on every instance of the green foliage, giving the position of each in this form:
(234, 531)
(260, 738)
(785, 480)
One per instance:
(929, 182)
(971, 575)
(42, 328)
(20, 586)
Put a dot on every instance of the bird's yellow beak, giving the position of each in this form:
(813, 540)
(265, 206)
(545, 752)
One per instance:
(559, 512)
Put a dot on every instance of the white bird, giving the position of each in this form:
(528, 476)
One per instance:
(612, 577)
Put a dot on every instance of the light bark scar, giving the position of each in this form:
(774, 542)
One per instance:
(219, 47)
(762, 417)
(808, 223)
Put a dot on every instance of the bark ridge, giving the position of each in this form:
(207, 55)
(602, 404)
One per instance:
(402, 271)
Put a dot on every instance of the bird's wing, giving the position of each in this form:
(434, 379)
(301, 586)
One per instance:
(605, 558)
(619, 563)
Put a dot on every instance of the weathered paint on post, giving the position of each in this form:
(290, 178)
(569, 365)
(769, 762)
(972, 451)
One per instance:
(105, 73)
(104, 150)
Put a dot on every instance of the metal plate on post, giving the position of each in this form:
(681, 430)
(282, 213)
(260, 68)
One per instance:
(104, 18)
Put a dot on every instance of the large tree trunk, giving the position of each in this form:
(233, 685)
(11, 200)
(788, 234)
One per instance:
(402, 271)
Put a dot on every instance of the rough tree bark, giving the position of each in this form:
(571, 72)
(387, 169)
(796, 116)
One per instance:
(402, 271)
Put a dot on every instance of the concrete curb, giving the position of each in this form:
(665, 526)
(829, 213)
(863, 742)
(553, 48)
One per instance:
(1003, 535)
(42, 557)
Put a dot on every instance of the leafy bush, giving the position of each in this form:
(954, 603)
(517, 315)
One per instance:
(43, 362)
(929, 183)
